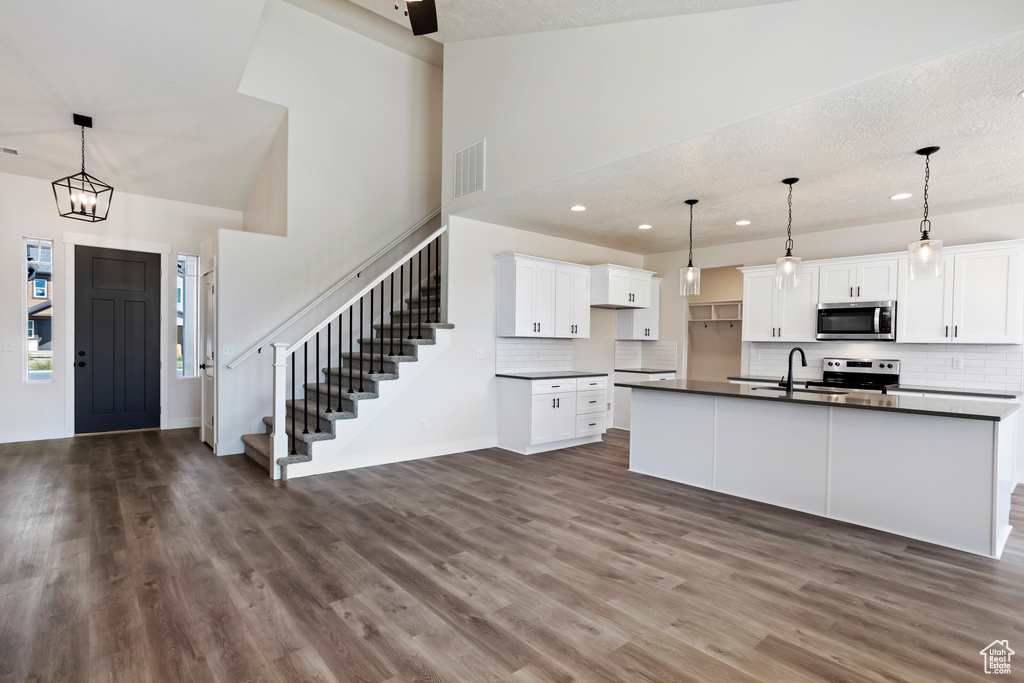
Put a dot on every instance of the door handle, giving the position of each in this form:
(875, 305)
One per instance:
(202, 366)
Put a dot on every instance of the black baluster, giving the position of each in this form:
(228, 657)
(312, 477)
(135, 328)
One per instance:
(401, 294)
(317, 370)
(437, 281)
(428, 281)
(373, 342)
(390, 331)
(341, 361)
(351, 353)
(327, 375)
(292, 450)
(305, 392)
(393, 313)
(361, 332)
(419, 310)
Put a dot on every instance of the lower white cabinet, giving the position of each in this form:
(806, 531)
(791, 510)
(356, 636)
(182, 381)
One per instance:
(542, 415)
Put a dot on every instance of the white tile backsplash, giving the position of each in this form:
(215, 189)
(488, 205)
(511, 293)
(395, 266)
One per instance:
(532, 355)
(660, 355)
(996, 367)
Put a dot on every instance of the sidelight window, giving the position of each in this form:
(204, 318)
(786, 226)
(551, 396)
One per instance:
(38, 309)
(188, 315)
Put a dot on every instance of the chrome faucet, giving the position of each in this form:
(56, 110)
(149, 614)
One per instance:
(803, 362)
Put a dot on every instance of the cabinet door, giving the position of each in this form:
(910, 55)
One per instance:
(797, 309)
(618, 288)
(986, 297)
(544, 299)
(838, 283)
(653, 311)
(639, 318)
(876, 280)
(640, 286)
(581, 302)
(525, 284)
(564, 422)
(564, 300)
(924, 311)
(542, 419)
(759, 306)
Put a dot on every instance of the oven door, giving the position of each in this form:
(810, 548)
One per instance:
(869, 320)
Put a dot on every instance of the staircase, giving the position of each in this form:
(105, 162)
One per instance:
(320, 407)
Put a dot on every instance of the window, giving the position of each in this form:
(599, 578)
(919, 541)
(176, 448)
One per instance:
(188, 316)
(38, 310)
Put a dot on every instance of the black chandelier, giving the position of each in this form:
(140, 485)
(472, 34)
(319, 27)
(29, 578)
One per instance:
(82, 196)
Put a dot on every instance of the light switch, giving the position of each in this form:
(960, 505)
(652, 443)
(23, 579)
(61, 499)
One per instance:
(958, 362)
(6, 346)
(480, 353)
(228, 350)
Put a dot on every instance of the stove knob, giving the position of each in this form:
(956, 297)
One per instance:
(889, 365)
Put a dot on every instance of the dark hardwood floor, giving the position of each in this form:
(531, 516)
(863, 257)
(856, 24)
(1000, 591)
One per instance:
(142, 557)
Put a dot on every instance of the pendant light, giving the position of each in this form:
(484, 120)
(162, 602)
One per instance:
(689, 277)
(787, 268)
(925, 255)
(82, 196)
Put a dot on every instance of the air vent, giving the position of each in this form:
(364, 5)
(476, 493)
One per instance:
(469, 169)
(9, 150)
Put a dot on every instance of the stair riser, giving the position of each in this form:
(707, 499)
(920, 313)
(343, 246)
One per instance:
(389, 367)
(347, 405)
(407, 349)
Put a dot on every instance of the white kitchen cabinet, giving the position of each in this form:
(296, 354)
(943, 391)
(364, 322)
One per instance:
(542, 298)
(615, 286)
(771, 314)
(641, 324)
(987, 297)
(572, 301)
(858, 281)
(924, 308)
(541, 415)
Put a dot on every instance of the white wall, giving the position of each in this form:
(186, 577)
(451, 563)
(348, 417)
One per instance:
(363, 166)
(457, 394)
(37, 411)
(556, 103)
(966, 227)
(266, 208)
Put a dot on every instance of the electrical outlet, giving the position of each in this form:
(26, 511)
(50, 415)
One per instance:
(480, 353)
(228, 350)
(958, 362)
(6, 346)
(423, 425)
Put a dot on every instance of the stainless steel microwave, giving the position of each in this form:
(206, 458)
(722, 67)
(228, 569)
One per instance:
(863, 320)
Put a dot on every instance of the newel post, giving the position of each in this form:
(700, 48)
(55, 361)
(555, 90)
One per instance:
(278, 437)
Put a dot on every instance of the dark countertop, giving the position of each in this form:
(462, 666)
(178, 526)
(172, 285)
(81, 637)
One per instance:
(564, 374)
(915, 405)
(645, 371)
(978, 393)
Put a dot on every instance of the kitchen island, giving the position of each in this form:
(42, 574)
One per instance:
(934, 469)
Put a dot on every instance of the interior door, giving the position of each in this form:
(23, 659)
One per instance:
(208, 367)
(117, 340)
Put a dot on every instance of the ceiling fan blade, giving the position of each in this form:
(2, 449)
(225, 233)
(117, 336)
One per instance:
(422, 17)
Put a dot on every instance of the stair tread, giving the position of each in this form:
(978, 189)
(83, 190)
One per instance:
(405, 340)
(387, 358)
(424, 324)
(332, 389)
(294, 459)
(332, 416)
(356, 374)
(261, 442)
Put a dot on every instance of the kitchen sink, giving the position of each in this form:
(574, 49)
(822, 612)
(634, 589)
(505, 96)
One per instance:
(832, 392)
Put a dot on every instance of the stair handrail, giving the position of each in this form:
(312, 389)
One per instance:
(334, 288)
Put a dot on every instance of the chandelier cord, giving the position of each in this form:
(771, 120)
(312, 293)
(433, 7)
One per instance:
(691, 237)
(83, 149)
(926, 224)
(789, 227)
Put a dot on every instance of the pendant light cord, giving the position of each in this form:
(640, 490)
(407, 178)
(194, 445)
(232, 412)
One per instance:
(83, 149)
(789, 227)
(691, 237)
(926, 225)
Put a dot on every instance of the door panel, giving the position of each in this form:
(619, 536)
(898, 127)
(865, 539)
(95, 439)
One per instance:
(117, 340)
(925, 306)
(564, 302)
(618, 288)
(544, 299)
(798, 308)
(758, 306)
(986, 304)
(581, 302)
(564, 417)
(209, 365)
(542, 419)
(640, 285)
(526, 322)
(876, 281)
(837, 283)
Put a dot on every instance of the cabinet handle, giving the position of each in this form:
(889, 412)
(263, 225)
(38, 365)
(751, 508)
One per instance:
(552, 403)
(558, 403)
(858, 291)
(851, 292)
(956, 330)
(947, 330)
(593, 401)
(592, 424)
(555, 386)
(773, 332)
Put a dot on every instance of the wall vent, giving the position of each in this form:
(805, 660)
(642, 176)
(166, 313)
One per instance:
(469, 169)
(9, 150)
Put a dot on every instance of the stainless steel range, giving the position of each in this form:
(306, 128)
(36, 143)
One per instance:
(858, 374)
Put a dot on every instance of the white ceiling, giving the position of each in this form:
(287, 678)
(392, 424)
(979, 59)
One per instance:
(472, 19)
(851, 149)
(160, 80)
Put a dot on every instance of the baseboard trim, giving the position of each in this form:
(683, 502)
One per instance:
(430, 450)
(184, 422)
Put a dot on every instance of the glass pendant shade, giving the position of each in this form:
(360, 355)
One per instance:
(689, 281)
(787, 272)
(925, 259)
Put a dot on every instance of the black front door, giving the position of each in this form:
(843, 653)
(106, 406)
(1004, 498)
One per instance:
(117, 340)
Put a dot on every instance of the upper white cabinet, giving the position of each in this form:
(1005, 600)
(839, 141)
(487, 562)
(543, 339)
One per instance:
(542, 298)
(924, 309)
(859, 281)
(771, 314)
(620, 287)
(641, 324)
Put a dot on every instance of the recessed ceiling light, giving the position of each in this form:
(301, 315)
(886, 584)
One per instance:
(1020, 94)
(645, 227)
(742, 222)
(578, 207)
(902, 195)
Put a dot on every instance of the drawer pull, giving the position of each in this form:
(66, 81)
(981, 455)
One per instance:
(593, 401)
(555, 386)
(592, 424)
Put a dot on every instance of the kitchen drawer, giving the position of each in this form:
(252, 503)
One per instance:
(588, 425)
(589, 383)
(553, 386)
(591, 402)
